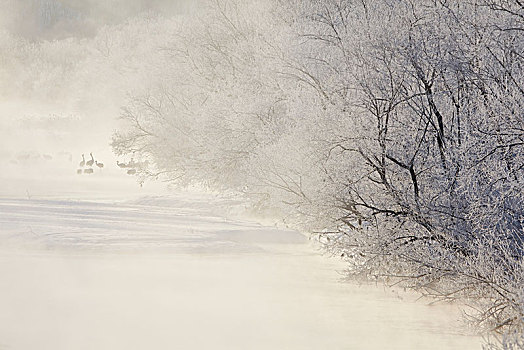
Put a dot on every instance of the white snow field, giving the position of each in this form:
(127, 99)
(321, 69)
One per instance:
(95, 262)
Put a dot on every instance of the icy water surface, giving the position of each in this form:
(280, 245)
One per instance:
(166, 272)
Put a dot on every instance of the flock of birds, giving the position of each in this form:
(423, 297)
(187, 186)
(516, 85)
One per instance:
(86, 167)
(132, 166)
(29, 158)
(89, 164)
(34, 157)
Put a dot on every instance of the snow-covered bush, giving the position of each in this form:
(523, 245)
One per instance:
(229, 113)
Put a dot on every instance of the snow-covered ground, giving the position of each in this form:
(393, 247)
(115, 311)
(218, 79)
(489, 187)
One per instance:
(95, 262)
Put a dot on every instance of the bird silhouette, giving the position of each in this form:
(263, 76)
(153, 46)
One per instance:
(83, 162)
(92, 161)
(99, 165)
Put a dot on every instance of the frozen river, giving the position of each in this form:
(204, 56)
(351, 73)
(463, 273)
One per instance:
(119, 267)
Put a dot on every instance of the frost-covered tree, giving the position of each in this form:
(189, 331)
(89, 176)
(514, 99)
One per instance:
(434, 166)
(230, 113)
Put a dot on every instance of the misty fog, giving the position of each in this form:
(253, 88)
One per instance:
(135, 255)
(51, 20)
(67, 69)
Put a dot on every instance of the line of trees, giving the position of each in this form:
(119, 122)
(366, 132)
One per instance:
(392, 128)
(437, 166)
